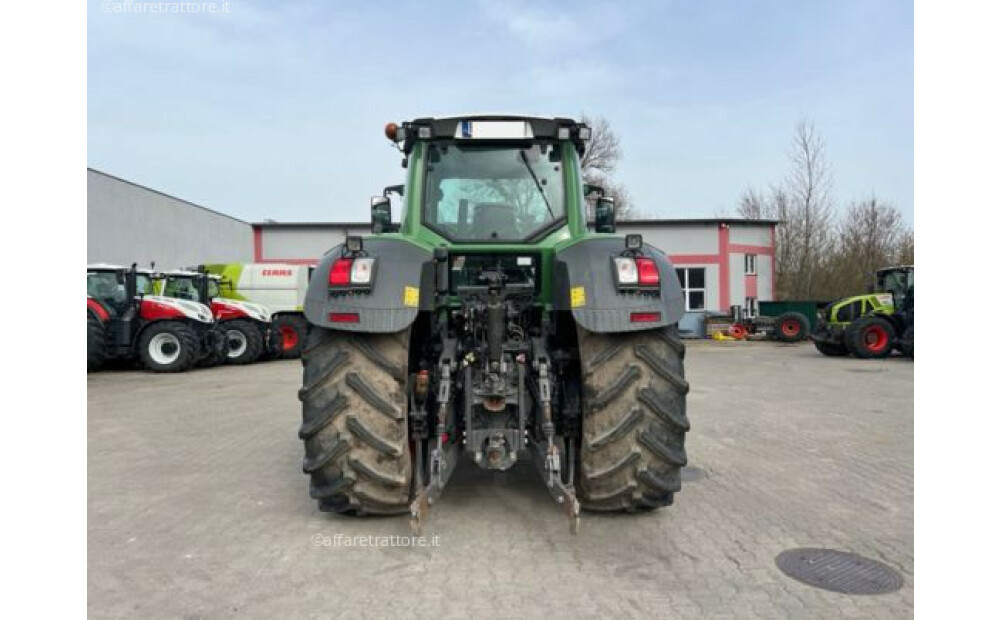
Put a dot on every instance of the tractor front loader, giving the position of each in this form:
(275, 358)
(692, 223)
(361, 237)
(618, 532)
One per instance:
(492, 322)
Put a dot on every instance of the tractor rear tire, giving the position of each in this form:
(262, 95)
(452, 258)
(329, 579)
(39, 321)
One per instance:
(97, 343)
(906, 346)
(634, 419)
(831, 350)
(870, 337)
(292, 330)
(244, 342)
(354, 421)
(791, 327)
(168, 346)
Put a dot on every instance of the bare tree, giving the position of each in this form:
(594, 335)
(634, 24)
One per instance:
(786, 246)
(811, 209)
(815, 256)
(598, 164)
(603, 149)
(868, 238)
(753, 205)
(905, 252)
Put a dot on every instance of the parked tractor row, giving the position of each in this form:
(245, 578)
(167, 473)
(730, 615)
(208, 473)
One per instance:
(126, 320)
(171, 321)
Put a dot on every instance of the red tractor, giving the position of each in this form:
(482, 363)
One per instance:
(247, 326)
(125, 320)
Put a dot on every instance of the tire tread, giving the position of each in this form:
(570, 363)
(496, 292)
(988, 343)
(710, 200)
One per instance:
(354, 427)
(635, 420)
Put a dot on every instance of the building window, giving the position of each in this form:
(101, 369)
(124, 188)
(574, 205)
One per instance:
(750, 308)
(750, 264)
(693, 282)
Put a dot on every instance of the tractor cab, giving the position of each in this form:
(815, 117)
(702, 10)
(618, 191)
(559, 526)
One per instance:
(108, 285)
(191, 285)
(488, 181)
(896, 281)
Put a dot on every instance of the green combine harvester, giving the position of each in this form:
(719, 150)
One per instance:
(874, 324)
(492, 322)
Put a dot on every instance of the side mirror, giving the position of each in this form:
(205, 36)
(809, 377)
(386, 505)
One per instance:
(381, 215)
(604, 215)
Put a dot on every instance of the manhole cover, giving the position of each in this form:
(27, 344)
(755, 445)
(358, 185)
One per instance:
(838, 571)
(693, 474)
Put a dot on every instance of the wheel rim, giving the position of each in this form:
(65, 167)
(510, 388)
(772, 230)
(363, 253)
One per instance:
(790, 328)
(164, 348)
(237, 342)
(737, 331)
(876, 338)
(289, 337)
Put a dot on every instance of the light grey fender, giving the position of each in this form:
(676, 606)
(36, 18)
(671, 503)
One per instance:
(395, 297)
(585, 285)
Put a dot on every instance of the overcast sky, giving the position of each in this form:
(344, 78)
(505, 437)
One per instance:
(275, 109)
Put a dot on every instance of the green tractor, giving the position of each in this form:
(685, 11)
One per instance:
(871, 325)
(491, 322)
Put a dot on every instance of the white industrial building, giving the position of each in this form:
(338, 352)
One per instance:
(127, 222)
(722, 262)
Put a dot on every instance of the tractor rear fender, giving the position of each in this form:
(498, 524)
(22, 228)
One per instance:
(585, 285)
(97, 309)
(400, 287)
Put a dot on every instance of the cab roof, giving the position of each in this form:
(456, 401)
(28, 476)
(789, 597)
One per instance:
(109, 267)
(190, 274)
(499, 127)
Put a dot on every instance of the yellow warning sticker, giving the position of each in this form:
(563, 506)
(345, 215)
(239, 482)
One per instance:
(577, 297)
(411, 296)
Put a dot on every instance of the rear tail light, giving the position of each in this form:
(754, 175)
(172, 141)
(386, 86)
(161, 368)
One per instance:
(644, 317)
(340, 272)
(352, 272)
(649, 275)
(638, 272)
(345, 317)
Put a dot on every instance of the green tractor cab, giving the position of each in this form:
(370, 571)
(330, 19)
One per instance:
(871, 325)
(490, 321)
